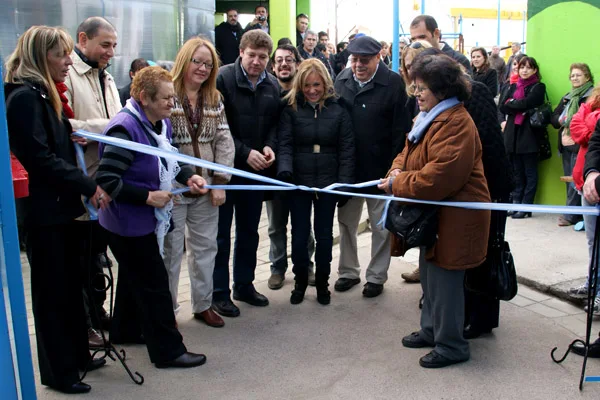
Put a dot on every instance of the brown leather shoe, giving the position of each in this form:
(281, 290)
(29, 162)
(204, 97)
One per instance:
(211, 318)
(94, 338)
(412, 277)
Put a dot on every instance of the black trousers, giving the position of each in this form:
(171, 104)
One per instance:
(143, 302)
(58, 311)
(483, 312)
(94, 241)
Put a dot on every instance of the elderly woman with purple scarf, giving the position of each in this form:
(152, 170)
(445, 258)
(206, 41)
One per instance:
(520, 138)
(139, 218)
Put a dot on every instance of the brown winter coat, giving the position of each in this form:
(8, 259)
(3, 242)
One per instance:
(446, 165)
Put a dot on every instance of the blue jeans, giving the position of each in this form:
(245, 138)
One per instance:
(569, 158)
(301, 204)
(526, 177)
(247, 206)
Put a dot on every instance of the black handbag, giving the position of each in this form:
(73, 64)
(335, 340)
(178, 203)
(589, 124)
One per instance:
(414, 225)
(540, 116)
(496, 277)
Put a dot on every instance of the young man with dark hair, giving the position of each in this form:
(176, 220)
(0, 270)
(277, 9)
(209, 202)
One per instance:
(425, 27)
(252, 106)
(136, 65)
(260, 20)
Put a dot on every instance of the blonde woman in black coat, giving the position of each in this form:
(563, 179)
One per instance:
(316, 149)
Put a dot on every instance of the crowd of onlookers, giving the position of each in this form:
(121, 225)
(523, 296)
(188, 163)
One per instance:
(444, 128)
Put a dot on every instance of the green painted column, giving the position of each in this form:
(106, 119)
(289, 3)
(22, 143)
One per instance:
(302, 7)
(282, 20)
(219, 17)
(551, 27)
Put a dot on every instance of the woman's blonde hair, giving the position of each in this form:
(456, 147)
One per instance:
(594, 99)
(208, 91)
(416, 47)
(29, 61)
(306, 68)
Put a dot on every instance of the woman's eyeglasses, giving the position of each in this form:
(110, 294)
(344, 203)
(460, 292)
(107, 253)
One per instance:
(199, 63)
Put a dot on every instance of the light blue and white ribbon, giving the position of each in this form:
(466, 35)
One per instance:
(274, 184)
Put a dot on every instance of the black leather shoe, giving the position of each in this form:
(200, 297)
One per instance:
(103, 261)
(344, 284)
(414, 341)
(471, 332)
(521, 215)
(94, 364)
(76, 388)
(435, 360)
(372, 289)
(251, 296)
(593, 351)
(186, 360)
(298, 293)
(226, 308)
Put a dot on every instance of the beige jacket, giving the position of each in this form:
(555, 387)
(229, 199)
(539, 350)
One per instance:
(87, 101)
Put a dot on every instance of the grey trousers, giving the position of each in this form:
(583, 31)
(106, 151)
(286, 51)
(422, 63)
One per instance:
(349, 218)
(278, 211)
(201, 219)
(443, 313)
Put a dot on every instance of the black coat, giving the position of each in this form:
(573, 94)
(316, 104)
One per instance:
(299, 39)
(125, 94)
(522, 139)
(379, 117)
(496, 165)
(557, 113)
(252, 114)
(592, 157)
(227, 41)
(318, 55)
(329, 129)
(43, 145)
(489, 78)
(458, 57)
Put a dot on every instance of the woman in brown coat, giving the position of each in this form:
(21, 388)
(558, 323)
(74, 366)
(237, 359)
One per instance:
(442, 162)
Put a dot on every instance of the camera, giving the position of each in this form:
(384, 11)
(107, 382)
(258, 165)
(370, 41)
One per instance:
(261, 18)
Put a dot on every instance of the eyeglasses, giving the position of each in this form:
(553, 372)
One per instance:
(420, 89)
(287, 60)
(362, 60)
(200, 63)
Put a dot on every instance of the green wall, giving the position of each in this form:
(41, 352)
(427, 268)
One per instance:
(556, 37)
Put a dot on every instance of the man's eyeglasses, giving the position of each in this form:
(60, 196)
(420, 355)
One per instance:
(287, 60)
(362, 60)
(199, 63)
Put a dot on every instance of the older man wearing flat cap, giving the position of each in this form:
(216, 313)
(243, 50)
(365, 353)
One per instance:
(375, 97)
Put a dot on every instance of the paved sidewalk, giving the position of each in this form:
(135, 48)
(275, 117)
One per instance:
(351, 349)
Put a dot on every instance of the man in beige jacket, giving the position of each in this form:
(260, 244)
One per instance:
(94, 98)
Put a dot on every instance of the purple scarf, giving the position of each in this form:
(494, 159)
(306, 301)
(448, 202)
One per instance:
(520, 94)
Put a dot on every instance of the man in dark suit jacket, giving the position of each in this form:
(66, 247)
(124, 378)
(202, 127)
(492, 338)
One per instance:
(227, 38)
(375, 97)
(301, 27)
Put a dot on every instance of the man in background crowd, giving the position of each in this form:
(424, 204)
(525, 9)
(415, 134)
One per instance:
(136, 65)
(261, 15)
(301, 28)
(227, 38)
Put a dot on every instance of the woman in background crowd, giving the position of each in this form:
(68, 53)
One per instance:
(429, 169)
(38, 115)
(582, 84)
(583, 125)
(408, 55)
(482, 72)
(316, 149)
(139, 219)
(520, 138)
(200, 130)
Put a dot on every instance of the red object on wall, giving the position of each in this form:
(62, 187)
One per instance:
(20, 178)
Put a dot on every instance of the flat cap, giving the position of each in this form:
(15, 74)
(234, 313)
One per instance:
(364, 46)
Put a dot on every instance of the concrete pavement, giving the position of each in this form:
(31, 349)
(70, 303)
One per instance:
(351, 349)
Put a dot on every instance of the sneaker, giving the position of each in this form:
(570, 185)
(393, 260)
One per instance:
(596, 307)
(412, 277)
(579, 291)
(94, 338)
(276, 281)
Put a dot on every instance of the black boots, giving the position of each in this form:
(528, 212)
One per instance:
(298, 293)
(323, 295)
